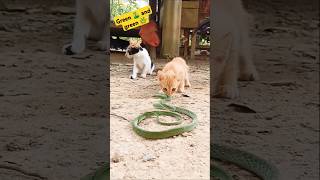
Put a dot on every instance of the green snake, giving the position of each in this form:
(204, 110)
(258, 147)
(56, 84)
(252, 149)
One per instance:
(165, 109)
(248, 161)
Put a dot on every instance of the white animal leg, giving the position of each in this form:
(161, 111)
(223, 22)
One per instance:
(229, 86)
(144, 71)
(248, 71)
(187, 80)
(81, 31)
(134, 72)
(99, 28)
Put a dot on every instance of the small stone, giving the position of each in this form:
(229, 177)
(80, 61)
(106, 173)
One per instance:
(91, 93)
(268, 118)
(148, 157)
(116, 158)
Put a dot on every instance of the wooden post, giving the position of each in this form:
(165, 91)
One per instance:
(186, 43)
(189, 20)
(153, 53)
(153, 50)
(193, 45)
(171, 28)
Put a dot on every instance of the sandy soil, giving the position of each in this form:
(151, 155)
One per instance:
(64, 134)
(285, 127)
(52, 107)
(181, 157)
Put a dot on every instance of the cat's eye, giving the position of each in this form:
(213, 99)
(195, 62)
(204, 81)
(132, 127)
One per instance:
(173, 89)
(164, 89)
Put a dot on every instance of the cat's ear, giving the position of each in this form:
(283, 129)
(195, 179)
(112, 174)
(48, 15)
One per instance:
(222, 47)
(160, 75)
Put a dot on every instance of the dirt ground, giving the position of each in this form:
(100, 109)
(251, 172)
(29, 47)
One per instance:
(285, 127)
(183, 157)
(52, 107)
(64, 134)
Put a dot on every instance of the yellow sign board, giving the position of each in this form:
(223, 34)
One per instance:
(133, 19)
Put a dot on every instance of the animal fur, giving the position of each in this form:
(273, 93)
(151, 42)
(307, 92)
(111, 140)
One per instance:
(142, 61)
(231, 47)
(174, 77)
(90, 23)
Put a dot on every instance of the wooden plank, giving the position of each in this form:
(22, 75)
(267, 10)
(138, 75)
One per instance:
(190, 13)
(189, 18)
(190, 4)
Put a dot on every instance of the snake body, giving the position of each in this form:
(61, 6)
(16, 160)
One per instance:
(243, 159)
(165, 109)
(246, 160)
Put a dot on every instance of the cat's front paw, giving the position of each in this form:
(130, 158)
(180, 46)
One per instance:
(227, 91)
(67, 50)
(133, 76)
(144, 75)
(249, 75)
(181, 90)
(188, 85)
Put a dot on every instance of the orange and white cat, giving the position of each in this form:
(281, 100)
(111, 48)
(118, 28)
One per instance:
(174, 77)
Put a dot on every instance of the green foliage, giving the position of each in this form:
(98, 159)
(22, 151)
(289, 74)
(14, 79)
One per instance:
(119, 7)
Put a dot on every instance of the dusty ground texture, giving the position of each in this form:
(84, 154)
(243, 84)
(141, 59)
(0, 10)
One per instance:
(52, 107)
(182, 157)
(65, 134)
(285, 127)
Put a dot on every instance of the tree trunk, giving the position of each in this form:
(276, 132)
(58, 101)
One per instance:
(171, 28)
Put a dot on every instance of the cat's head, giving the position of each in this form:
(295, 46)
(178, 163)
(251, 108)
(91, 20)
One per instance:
(134, 46)
(168, 82)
